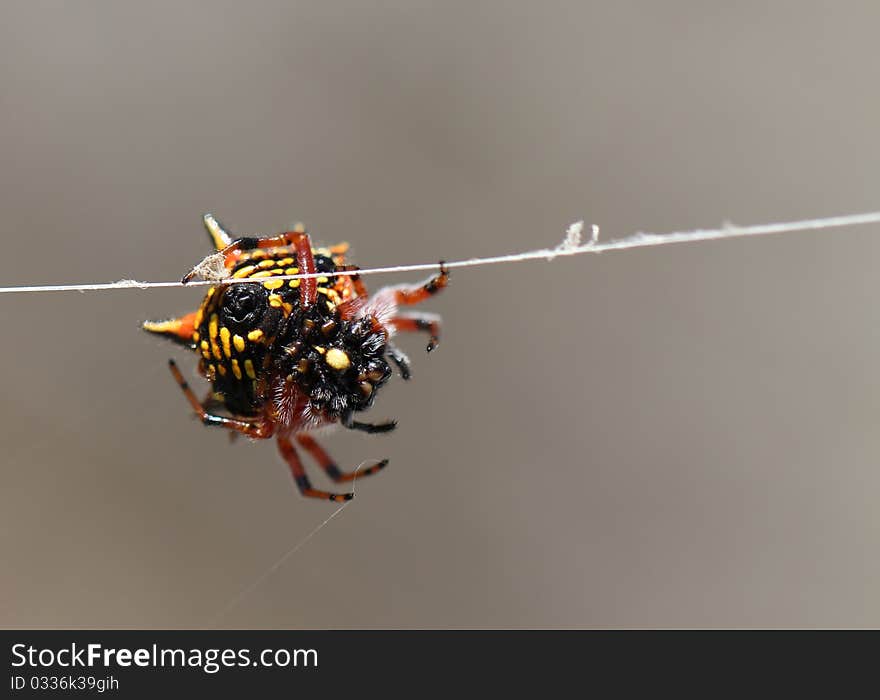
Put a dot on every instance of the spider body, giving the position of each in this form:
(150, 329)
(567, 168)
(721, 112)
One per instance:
(287, 356)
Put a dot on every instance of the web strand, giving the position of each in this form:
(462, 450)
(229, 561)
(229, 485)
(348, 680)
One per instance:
(251, 587)
(256, 583)
(572, 245)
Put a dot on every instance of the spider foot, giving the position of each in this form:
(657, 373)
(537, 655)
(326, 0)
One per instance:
(351, 424)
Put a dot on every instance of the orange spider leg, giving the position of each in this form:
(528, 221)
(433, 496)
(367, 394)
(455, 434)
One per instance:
(329, 466)
(408, 296)
(308, 290)
(359, 288)
(288, 451)
(298, 240)
(339, 250)
(415, 322)
(256, 429)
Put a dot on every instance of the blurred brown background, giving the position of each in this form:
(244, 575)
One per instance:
(678, 436)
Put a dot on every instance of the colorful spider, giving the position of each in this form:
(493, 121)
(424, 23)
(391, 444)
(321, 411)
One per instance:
(285, 357)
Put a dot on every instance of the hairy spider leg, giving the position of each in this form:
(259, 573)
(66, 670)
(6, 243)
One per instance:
(288, 451)
(417, 321)
(329, 466)
(255, 429)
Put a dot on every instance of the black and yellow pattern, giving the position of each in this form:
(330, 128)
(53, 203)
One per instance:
(237, 325)
(285, 356)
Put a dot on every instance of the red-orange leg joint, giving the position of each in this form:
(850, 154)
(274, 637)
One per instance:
(288, 451)
(408, 296)
(329, 466)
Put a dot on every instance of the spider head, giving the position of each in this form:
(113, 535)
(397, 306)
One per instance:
(338, 363)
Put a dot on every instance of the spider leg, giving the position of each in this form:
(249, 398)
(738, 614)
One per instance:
(415, 321)
(400, 359)
(210, 403)
(255, 429)
(348, 421)
(410, 295)
(225, 258)
(288, 451)
(329, 466)
(359, 287)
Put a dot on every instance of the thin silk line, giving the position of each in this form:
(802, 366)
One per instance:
(247, 590)
(572, 245)
(256, 583)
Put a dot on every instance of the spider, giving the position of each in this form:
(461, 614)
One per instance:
(285, 357)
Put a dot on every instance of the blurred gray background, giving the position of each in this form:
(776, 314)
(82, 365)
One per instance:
(677, 436)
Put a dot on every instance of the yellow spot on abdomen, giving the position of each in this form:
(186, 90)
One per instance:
(337, 359)
(245, 271)
(249, 368)
(255, 336)
(236, 370)
(238, 341)
(273, 284)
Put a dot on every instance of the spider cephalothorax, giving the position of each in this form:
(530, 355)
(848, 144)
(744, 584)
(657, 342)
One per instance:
(338, 363)
(285, 356)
